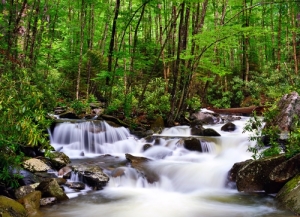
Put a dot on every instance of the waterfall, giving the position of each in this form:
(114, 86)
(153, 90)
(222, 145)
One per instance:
(186, 183)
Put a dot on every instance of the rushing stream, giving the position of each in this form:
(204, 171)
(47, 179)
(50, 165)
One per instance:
(191, 184)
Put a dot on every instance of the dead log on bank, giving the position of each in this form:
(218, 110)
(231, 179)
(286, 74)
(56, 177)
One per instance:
(241, 110)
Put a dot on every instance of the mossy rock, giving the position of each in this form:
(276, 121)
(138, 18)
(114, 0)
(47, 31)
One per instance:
(11, 208)
(289, 196)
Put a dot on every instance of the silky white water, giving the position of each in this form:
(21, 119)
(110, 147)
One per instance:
(188, 184)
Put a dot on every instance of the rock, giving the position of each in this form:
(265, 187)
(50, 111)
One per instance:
(289, 196)
(146, 147)
(75, 185)
(207, 117)
(35, 165)
(27, 177)
(140, 164)
(65, 172)
(31, 202)
(68, 115)
(232, 174)
(286, 170)
(158, 125)
(254, 176)
(59, 160)
(48, 201)
(228, 127)
(210, 132)
(50, 188)
(192, 144)
(92, 175)
(11, 208)
(120, 171)
(196, 128)
(289, 108)
(24, 190)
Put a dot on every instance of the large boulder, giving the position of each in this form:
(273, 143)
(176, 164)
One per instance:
(35, 165)
(24, 190)
(50, 188)
(286, 170)
(254, 176)
(289, 108)
(289, 196)
(11, 208)
(31, 202)
(92, 175)
(59, 160)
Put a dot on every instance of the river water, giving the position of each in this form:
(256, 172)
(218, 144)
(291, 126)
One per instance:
(190, 183)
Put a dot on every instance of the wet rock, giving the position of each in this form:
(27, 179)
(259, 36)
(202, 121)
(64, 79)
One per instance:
(65, 172)
(192, 144)
(254, 176)
(31, 202)
(228, 127)
(210, 132)
(59, 160)
(48, 201)
(11, 208)
(92, 175)
(24, 190)
(50, 188)
(197, 128)
(286, 170)
(140, 164)
(289, 196)
(120, 171)
(35, 165)
(232, 174)
(207, 117)
(75, 185)
(146, 147)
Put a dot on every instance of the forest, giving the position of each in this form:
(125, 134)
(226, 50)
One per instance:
(154, 57)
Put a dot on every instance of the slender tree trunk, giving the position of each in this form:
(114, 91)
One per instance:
(82, 26)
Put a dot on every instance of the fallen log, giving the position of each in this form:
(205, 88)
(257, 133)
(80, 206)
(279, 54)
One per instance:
(241, 110)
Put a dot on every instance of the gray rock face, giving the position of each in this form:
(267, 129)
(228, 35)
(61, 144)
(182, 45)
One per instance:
(289, 107)
(92, 175)
(289, 196)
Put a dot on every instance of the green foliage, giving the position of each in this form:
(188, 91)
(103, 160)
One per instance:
(79, 106)
(157, 101)
(270, 141)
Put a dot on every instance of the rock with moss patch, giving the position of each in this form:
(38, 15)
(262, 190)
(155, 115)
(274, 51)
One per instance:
(11, 208)
(289, 196)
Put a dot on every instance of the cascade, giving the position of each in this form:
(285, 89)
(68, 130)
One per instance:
(189, 183)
